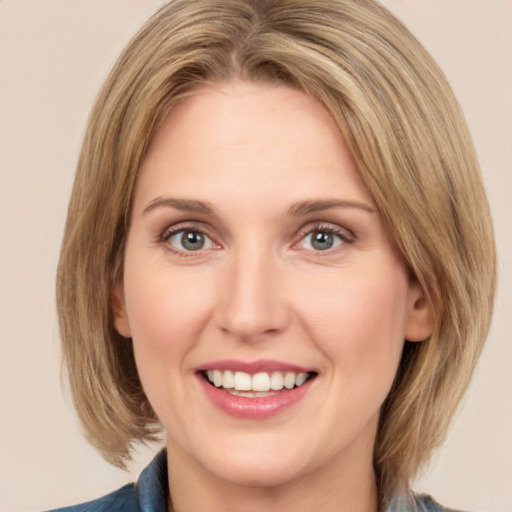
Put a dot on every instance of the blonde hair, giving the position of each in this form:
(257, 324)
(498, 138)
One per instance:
(410, 141)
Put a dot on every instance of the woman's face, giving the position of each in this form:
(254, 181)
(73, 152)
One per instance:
(256, 259)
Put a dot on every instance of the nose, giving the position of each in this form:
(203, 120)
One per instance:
(253, 302)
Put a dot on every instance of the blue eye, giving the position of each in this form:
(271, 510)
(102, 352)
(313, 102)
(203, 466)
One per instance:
(189, 240)
(322, 240)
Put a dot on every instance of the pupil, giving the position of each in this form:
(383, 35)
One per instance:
(192, 241)
(322, 241)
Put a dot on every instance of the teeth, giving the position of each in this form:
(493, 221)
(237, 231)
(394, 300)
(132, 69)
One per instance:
(289, 380)
(261, 382)
(276, 381)
(251, 394)
(217, 378)
(301, 378)
(228, 380)
(243, 381)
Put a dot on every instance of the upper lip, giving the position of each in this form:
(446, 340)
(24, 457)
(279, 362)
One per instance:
(262, 365)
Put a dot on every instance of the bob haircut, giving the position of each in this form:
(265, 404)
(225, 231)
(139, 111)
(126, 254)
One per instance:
(413, 150)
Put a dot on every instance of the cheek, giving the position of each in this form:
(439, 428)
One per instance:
(358, 322)
(165, 310)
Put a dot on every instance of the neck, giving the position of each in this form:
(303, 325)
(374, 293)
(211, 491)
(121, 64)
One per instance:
(335, 487)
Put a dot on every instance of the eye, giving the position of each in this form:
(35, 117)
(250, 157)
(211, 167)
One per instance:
(324, 239)
(188, 240)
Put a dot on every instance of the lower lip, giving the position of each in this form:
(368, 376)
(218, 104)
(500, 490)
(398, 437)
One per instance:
(253, 408)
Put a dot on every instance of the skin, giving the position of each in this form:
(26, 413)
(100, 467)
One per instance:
(259, 289)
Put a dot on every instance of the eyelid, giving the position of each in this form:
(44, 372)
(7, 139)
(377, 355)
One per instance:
(180, 226)
(347, 236)
(174, 229)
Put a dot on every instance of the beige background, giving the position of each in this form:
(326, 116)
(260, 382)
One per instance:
(53, 57)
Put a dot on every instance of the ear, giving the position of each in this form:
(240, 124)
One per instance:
(420, 320)
(118, 305)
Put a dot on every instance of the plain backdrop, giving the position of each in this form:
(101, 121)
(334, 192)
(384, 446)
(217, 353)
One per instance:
(54, 55)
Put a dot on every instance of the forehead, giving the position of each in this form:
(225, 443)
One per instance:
(248, 137)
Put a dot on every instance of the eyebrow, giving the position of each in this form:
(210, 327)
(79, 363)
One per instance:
(297, 209)
(305, 207)
(185, 205)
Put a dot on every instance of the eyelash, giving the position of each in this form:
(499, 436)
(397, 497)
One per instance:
(169, 232)
(346, 237)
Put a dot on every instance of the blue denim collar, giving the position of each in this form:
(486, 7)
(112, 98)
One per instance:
(153, 485)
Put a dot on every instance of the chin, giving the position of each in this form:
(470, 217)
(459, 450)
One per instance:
(259, 464)
(258, 474)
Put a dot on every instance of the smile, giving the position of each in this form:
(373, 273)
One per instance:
(256, 390)
(260, 384)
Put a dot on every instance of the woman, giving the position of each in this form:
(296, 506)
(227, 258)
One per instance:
(275, 248)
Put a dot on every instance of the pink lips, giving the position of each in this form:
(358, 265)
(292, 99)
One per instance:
(258, 407)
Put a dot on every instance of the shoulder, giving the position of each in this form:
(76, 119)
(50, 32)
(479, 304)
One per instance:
(416, 503)
(124, 499)
(149, 494)
(425, 503)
